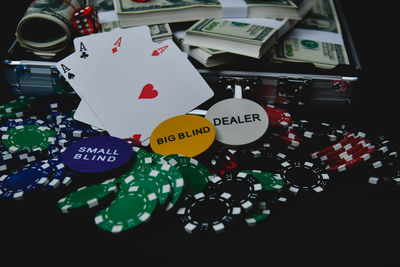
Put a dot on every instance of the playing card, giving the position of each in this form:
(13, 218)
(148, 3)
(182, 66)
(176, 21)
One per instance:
(141, 83)
(78, 68)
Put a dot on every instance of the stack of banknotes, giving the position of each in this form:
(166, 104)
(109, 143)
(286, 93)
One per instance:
(212, 32)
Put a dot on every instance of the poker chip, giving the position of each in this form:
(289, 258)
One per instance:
(384, 169)
(176, 181)
(204, 213)
(155, 179)
(21, 104)
(278, 117)
(70, 128)
(356, 160)
(142, 160)
(21, 182)
(12, 161)
(317, 135)
(269, 181)
(194, 173)
(303, 177)
(343, 150)
(88, 196)
(28, 137)
(59, 171)
(127, 211)
(335, 147)
(243, 187)
(258, 217)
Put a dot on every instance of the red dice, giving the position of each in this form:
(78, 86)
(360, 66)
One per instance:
(222, 162)
(85, 20)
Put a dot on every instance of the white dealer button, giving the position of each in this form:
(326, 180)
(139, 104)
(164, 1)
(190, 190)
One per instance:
(238, 121)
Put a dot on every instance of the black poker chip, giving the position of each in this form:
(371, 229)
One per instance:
(208, 213)
(303, 177)
(317, 135)
(244, 188)
(384, 169)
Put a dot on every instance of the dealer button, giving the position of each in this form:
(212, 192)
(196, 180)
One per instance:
(238, 121)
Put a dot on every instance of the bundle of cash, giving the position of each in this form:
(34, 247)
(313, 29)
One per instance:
(158, 32)
(306, 31)
(317, 39)
(236, 36)
(131, 13)
(46, 27)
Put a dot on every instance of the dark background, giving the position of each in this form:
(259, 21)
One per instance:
(352, 223)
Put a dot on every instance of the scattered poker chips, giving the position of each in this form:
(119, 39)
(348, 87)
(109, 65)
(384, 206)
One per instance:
(227, 187)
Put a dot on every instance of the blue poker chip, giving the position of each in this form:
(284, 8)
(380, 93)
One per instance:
(19, 183)
(70, 128)
(11, 123)
(59, 171)
(55, 118)
(12, 161)
(67, 178)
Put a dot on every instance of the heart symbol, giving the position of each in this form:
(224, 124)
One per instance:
(148, 92)
(155, 53)
(71, 75)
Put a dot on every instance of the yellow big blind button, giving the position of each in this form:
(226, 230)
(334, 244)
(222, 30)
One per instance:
(188, 135)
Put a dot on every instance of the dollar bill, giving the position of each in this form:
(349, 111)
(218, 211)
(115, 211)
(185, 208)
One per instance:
(321, 54)
(45, 27)
(206, 56)
(158, 32)
(250, 37)
(105, 10)
(131, 13)
(317, 39)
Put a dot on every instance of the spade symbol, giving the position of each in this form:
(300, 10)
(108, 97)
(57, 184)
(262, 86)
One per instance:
(84, 55)
(70, 75)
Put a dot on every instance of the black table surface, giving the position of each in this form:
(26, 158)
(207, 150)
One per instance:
(352, 223)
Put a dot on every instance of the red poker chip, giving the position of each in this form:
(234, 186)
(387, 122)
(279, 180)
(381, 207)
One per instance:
(346, 157)
(290, 142)
(354, 162)
(348, 137)
(336, 154)
(277, 117)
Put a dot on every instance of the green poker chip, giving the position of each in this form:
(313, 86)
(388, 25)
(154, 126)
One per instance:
(88, 196)
(269, 181)
(28, 137)
(143, 158)
(177, 183)
(16, 105)
(154, 179)
(258, 217)
(194, 173)
(142, 161)
(127, 211)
